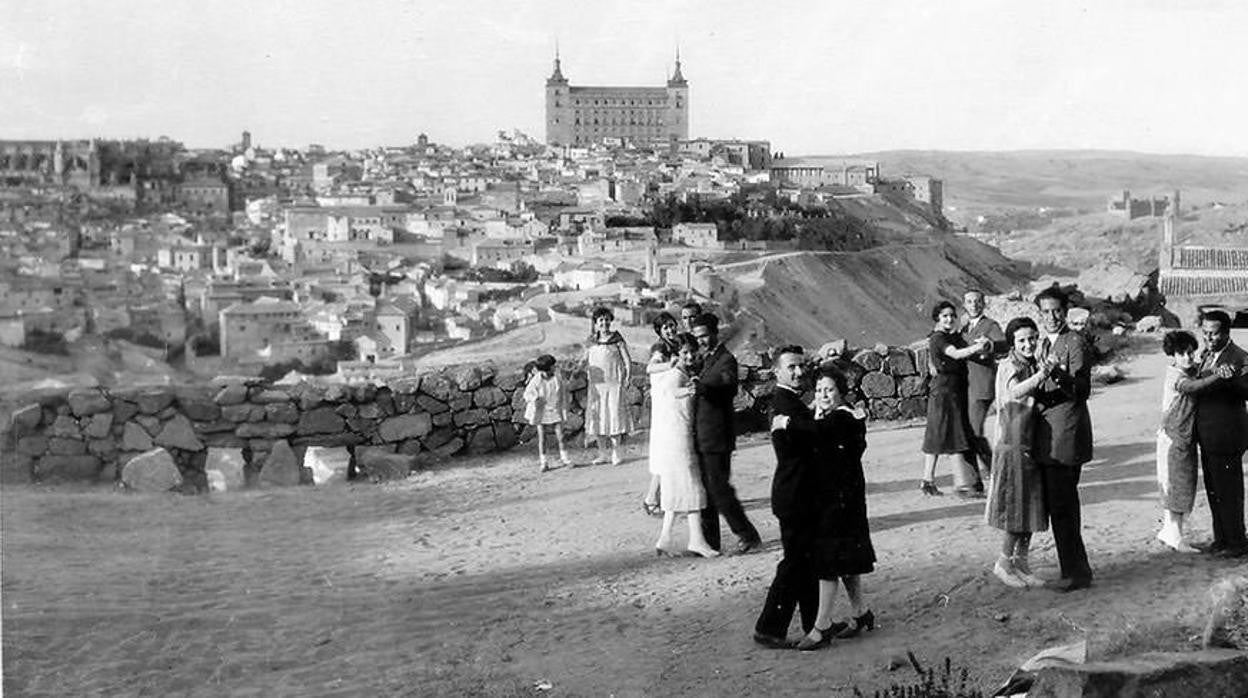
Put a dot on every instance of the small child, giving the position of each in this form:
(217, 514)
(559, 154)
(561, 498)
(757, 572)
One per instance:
(1176, 447)
(546, 403)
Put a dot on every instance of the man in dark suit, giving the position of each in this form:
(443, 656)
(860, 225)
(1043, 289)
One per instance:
(714, 437)
(795, 584)
(981, 378)
(1063, 436)
(1222, 434)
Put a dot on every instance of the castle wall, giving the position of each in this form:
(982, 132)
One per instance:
(90, 434)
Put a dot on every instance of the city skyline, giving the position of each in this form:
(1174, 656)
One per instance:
(811, 78)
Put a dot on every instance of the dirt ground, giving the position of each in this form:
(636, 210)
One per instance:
(486, 578)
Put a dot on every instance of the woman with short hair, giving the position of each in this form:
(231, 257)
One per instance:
(948, 429)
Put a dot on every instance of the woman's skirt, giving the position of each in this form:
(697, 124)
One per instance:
(1016, 496)
(948, 428)
(1176, 473)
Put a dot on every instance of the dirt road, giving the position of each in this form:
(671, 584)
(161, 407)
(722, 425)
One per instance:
(487, 578)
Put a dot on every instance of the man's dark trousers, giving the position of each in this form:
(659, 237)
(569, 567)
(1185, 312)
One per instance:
(721, 498)
(795, 585)
(1061, 497)
(1224, 485)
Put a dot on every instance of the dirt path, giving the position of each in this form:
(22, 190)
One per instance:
(485, 579)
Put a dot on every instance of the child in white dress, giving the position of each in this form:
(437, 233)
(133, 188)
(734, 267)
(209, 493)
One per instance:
(545, 403)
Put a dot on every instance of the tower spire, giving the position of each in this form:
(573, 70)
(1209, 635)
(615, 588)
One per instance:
(557, 76)
(677, 78)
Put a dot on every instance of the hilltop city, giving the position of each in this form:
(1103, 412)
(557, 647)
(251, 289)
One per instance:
(354, 264)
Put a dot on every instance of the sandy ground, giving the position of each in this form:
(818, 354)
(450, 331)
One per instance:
(486, 578)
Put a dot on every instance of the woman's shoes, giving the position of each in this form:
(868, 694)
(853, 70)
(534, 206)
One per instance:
(857, 624)
(1005, 571)
(928, 488)
(615, 457)
(704, 552)
(651, 508)
(825, 638)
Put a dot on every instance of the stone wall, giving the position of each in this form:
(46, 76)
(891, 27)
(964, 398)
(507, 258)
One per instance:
(387, 431)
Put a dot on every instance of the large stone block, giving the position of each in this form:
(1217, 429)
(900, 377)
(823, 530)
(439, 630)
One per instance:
(270, 396)
(406, 426)
(281, 467)
(123, 411)
(151, 471)
(376, 464)
(321, 420)
(26, 420)
(482, 441)
(369, 411)
(489, 397)
(35, 445)
(869, 360)
(328, 465)
(150, 423)
(135, 438)
(461, 402)
(236, 413)
(200, 409)
(468, 378)
(233, 394)
(66, 427)
(438, 387)
(430, 405)
(52, 467)
(505, 435)
(443, 419)
(471, 417)
(84, 403)
(899, 362)
(884, 408)
(178, 433)
(1211, 672)
(912, 386)
(502, 413)
(510, 380)
(449, 448)
(217, 427)
(283, 412)
(98, 425)
(153, 400)
(104, 448)
(67, 447)
(876, 384)
(912, 407)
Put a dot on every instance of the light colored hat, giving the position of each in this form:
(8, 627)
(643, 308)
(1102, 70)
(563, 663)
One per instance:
(1076, 314)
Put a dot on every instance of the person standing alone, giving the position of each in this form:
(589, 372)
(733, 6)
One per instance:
(715, 438)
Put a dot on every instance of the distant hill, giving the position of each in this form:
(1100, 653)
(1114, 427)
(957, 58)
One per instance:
(1078, 179)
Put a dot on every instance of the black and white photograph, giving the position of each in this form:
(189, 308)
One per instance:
(654, 348)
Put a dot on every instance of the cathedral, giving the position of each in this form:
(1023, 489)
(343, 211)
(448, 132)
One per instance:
(581, 116)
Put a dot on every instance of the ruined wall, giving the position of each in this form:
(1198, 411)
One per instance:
(90, 434)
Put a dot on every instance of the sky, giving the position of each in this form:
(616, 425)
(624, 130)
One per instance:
(811, 76)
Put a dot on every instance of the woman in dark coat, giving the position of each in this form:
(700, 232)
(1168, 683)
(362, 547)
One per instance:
(948, 428)
(842, 544)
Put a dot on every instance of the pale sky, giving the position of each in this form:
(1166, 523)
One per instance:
(812, 76)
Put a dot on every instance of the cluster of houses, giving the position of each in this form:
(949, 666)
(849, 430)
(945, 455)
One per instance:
(382, 249)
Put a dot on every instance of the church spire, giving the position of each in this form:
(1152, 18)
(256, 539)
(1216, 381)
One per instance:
(677, 79)
(556, 78)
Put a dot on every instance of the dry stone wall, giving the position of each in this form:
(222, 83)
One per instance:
(383, 431)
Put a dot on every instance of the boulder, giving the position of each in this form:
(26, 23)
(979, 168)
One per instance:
(1149, 323)
(151, 471)
(236, 413)
(885, 408)
(468, 378)
(449, 448)
(283, 412)
(178, 433)
(232, 394)
(321, 420)
(489, 397)
(124, 411)
(98, 425)
(377, 465)
(67, 447)
(34, 445)
(1228, 614)
(899, 362)
(153, 400)
(430, 405)
(53, 467)
(26, 419)
(832, 349)
(405, 426)
(281, 467)
(869, 360)
(443, 419)
(65, 426)
(912, 386)
(471, 417)
(346, 410)
(200, 409)
(505, 435)
(102, 447)
(482, 441)
(369, 410)
(149, 423)
(84, 403)
(328, 465)
(1107, 374)
(135, 438)
(876, 384)
(438, 387)
(1210, 672)
(266, 397)
(225, 468)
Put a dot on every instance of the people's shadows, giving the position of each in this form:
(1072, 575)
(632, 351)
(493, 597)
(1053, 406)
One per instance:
(890, 486)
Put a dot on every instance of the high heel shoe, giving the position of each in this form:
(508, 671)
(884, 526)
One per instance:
(704, 552)
(928, 488)
(651, 509)
(857, 624)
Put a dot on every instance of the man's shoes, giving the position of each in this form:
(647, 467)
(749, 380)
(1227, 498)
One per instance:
(773, 642)
(1210, 547)
(748, 545)
(1068, 584)
(1232, 552)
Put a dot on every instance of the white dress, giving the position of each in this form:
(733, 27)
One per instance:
(671, 443)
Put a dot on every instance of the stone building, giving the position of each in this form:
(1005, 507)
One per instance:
(578, 115)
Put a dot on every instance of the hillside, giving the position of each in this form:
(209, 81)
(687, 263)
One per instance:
(880, 295)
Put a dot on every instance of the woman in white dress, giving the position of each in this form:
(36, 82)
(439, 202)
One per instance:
(672, 455)
(607, 370)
